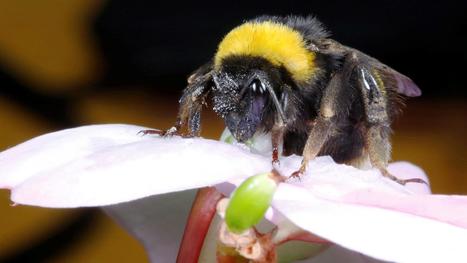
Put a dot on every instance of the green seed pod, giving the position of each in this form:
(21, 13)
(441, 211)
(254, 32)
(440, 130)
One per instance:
(249, 202)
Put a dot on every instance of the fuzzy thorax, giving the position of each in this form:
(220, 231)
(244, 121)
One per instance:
(275, 42)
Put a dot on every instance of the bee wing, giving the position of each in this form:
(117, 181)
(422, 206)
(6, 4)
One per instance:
(392, 80)
(396, 81)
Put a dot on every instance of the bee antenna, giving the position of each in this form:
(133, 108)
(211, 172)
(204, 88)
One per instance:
(276, 102)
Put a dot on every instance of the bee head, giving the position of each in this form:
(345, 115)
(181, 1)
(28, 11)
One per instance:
(252, 65)
(242, 92)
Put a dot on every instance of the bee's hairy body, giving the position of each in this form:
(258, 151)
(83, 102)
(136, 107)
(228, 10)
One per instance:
(344, 145)
(284, 75)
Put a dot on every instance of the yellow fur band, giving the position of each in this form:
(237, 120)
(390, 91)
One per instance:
(275, 42)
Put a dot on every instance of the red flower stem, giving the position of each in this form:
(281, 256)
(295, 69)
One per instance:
(201, 214)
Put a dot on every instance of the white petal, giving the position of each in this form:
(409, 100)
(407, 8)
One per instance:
(157, 222)
(370, 214)
(381, 233)
(58, 148)
(127, 171)
(328, 179)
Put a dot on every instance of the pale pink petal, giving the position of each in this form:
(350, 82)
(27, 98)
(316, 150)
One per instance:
(343, 204)
(156, 221)
(55, 149)
(117, 172)
(109, 164)
(330, 180)
(347, 184)
(450, 209)
(380, 233)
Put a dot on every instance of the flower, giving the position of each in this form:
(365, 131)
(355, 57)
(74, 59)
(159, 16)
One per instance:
(111, 165)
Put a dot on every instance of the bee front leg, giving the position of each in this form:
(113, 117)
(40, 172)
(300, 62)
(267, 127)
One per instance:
(191, 103)
(189, 114)
(182, 118)
(165, 133)
(277, 138)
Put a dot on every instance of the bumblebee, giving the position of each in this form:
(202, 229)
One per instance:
(285, 76)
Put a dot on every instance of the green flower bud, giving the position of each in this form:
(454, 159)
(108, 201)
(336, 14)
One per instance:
(249, 202)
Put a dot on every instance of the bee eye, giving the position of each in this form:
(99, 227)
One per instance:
(253, 86)
(257, 86)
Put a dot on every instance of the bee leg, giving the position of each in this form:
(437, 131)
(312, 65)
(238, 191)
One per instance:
(318, 136)
(324, 123)
(191, 103)
(174, 130)
(377, 121)
(152, 132)
(379, 150)
(277, 138)
(332, 105)
(189, 114)
(194, 118)
(164, 133)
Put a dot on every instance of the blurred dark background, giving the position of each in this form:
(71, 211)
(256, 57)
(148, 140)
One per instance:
(151, 43)
(77, 62)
